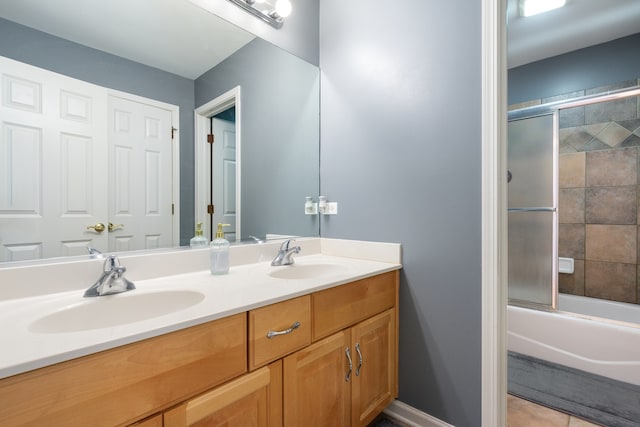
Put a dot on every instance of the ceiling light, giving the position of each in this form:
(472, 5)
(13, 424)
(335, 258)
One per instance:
(283, 8)
(265, 11)
(534, 7)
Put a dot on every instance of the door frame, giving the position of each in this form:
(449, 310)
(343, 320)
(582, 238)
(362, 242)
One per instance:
(494, 213)
(175, 153)
(202, 168)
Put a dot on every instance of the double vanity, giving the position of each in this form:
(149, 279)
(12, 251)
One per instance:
(312, 343)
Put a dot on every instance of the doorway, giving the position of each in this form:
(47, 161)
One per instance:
(218, 176)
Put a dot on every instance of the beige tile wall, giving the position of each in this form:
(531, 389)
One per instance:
(599, 186)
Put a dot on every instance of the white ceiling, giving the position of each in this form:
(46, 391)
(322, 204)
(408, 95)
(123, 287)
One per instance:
(580, 23)
(172, 35)
(179, 37)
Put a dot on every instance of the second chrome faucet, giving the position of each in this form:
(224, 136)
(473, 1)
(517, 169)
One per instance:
(284, 256)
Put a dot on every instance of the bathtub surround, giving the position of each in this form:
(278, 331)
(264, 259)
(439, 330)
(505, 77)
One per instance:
(588, 396)
(599, 183)
(598, 201)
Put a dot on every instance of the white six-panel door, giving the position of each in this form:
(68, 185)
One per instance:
(53, 169)
(74, 155)
(223, 173)
(140, 187)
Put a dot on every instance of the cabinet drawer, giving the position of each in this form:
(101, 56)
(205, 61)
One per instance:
(118, 386)
(337, 308)
(278, 321)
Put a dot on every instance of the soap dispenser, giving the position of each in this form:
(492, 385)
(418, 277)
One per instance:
(199, 241)
(219, 249)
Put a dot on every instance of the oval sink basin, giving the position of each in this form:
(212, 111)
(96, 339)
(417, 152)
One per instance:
(306, 271)
(114, 310)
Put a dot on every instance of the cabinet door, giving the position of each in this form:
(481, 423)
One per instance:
(254, 399)
(374, 366)
(155, 421)
(317, 390)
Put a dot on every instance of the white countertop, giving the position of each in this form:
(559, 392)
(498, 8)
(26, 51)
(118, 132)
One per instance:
(248, 286)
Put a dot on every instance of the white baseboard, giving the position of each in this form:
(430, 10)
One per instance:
(412, 417)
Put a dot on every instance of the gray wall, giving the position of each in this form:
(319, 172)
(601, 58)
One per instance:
(595, 66)
(401, 154)
(280, 135)
(62, 56)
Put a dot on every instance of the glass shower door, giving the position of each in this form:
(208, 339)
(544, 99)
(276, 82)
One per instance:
(532, 200)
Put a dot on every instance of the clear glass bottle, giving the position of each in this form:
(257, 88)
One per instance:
(219, 250)
(199, 241)
(310, 208)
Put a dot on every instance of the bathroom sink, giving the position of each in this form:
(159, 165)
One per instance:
(306, 271)
(114, 310)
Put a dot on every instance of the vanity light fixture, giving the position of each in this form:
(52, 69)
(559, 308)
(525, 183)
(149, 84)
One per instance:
(534, 7)
(273, 13)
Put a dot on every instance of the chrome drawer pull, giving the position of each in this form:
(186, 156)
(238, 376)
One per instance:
(348, 353)
(360, 359)
(293, 327)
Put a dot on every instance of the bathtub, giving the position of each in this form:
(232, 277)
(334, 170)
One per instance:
(581, 339)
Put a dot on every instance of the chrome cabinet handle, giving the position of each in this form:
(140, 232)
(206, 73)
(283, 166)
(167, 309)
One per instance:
(348, 353)
(293, 327)
(360, 359)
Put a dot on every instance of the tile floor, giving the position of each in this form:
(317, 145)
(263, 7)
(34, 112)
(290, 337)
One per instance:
(522, 413)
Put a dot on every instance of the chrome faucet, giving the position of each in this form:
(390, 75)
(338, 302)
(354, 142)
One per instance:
(112, 280)
(94, 253)
(284, 254)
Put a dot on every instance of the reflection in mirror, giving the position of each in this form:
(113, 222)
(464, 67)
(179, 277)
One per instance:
(280, 146)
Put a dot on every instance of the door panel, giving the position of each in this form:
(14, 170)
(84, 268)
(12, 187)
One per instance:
(530, 161)
(140, 190)
(531, 258)
(374, 361)
(52, 156)
(316, 390)
(253, 400)
(224, 176)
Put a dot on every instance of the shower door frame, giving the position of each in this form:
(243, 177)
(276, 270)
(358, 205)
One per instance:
(530, 113)
(554, 108)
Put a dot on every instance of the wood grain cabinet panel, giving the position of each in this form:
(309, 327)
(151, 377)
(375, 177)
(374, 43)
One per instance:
(280, 317)
(375, 367)
(155, 421)
(344, 380)
(317, 391)
(127, 383)
(337, 308)
(253, 400)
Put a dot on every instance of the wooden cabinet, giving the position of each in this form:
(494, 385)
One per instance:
(255, 399)
(154, 421)
(375, 367)
(127, 383)
(316, 390)
(331, 361)
(278, 329)
(346, 379)
(336, 308)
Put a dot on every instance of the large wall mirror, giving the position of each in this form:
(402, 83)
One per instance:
(161, 61)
